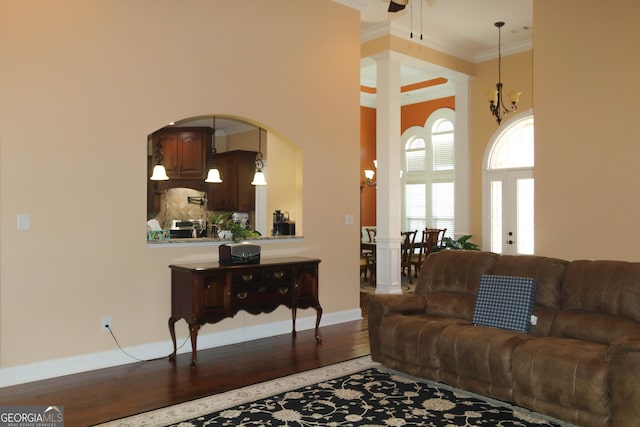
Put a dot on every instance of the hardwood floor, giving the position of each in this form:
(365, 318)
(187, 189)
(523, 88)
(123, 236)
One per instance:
(102, 395)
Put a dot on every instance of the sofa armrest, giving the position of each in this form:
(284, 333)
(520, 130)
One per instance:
(381, 305)
(386, 304)
(623, 357)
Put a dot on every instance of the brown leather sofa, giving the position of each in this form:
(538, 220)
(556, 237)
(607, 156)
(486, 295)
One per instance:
(580, 363)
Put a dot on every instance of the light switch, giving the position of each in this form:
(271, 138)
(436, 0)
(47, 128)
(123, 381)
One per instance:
(23, 222)
(348, 219)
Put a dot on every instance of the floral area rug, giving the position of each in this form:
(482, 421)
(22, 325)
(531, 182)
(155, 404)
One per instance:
(354, 393)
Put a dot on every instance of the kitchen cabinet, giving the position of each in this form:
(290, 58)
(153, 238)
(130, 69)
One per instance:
(235, 193)
(184, 151)
(184, 156)
(209, 292)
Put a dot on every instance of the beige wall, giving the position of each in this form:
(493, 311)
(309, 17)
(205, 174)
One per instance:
(587, 150)
(84, 83)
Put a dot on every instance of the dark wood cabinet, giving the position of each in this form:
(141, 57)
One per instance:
(209, 292)
(184, 151)
(184, 156)
(235, 193)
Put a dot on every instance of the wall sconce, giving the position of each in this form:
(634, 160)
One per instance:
(495, 97)
(159, 172)
(369, 174)
(213, 176)
(258, 178)
(368, 178)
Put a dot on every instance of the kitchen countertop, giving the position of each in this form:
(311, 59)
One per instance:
(215, 241)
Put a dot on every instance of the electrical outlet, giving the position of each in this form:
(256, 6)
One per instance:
(105, 323)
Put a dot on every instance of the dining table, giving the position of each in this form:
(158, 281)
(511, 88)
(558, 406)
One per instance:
(370, 247)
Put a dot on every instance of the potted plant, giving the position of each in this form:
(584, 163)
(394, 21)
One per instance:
(239, 233)
(226, 229)
(462, 243)
(221, 225)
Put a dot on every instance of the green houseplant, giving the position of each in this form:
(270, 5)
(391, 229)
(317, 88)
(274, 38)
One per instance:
(224, 226)
(462, 243)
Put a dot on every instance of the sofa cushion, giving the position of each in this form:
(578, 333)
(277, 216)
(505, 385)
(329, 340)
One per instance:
(413, 339)
(478, 359)
(600, 301)
(449, 281)
(549, 273)
(607, 287)
(505, 302)
(564, 378)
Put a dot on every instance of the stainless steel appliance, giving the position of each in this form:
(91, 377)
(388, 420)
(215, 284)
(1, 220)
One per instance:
(282, 225)
(241, 218)
(181, 228)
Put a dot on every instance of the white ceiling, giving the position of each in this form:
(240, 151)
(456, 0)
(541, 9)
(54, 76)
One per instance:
(461, 28)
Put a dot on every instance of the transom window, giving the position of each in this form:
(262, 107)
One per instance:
(514, 147)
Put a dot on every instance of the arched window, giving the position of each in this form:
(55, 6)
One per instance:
(513, 147)
(429, 174)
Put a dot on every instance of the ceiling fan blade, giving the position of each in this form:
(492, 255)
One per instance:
(397, 5)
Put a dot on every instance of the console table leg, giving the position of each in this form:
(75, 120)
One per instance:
(172, 331)
(318, 316)
(193, 331)
(294, 311)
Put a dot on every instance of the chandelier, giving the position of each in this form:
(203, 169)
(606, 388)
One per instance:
(496, 99)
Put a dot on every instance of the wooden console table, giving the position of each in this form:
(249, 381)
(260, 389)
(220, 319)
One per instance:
(209, 292)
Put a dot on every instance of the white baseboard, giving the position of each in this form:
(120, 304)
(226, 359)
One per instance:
(72, 365)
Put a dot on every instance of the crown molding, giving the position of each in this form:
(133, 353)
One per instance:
(354, 4)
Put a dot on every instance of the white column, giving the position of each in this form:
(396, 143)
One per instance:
(462, 181)
(388, 173)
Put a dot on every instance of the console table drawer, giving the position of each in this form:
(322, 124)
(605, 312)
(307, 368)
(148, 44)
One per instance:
(247, 276)
(261, 298)
(278, 275)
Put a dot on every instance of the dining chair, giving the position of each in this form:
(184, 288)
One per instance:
(406, 249)
(419, 253)
(435, 236)
(364, 266)
(371, 233)
(431, 237)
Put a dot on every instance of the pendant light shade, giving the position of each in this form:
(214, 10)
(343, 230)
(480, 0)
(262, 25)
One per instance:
(159, 173)
(213, 176)
(259, 179)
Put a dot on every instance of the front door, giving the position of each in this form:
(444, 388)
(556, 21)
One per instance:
(511, 199)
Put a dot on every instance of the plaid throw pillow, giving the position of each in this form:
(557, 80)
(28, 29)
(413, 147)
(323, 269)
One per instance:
(505, 302)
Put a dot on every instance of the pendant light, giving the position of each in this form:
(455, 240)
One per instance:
(213, 176)
(159, 172)
(495, 97)
(258, 178)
